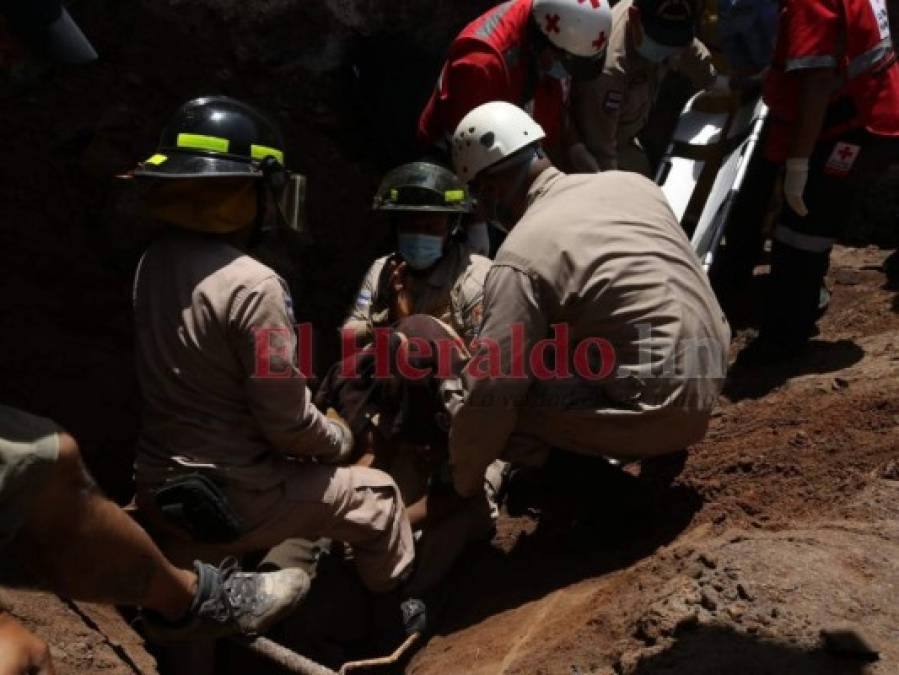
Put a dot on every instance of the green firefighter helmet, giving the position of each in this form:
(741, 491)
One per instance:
(422, 186)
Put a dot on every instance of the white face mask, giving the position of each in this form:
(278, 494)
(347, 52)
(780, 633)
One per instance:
(654, 51)
(557, 71)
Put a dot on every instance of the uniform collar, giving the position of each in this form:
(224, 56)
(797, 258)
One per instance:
(542, 183)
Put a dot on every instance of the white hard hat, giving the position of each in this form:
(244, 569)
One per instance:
(579, 27)
(490, 133)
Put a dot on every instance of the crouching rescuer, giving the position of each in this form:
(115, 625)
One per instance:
(233, 456)
(601, 335)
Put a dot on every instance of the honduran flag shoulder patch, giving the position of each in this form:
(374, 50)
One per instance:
(612, 101)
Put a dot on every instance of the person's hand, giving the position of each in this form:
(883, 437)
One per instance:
(721, 85)
(342, 436)
(401, 298)
(22, 652)
(795, 179)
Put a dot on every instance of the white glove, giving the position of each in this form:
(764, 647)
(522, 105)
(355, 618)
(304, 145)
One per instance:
(794, 184)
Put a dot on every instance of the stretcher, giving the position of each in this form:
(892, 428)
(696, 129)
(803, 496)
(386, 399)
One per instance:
(706, 166)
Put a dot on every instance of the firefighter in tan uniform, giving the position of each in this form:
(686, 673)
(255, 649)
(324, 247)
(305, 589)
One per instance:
(599, 266)
(649, 38)
(232, 453)
(433, 271)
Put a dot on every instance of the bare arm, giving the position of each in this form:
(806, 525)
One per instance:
(815, 88)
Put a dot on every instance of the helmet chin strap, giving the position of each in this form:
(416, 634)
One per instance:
(521, 177)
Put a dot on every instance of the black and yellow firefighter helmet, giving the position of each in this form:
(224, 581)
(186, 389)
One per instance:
(216, 137)
(422, 186)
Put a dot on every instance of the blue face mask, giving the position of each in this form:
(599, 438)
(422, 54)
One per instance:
(558, 71)
(420, 250)
(654, 51)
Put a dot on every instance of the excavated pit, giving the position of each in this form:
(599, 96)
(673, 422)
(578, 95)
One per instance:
(782, 524)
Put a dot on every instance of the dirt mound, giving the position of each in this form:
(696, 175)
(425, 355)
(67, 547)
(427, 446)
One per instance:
(782, 525)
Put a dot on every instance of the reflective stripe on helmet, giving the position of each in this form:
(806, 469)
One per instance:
(201, 142)
(454, 196)
(156, 159)
(260, 152)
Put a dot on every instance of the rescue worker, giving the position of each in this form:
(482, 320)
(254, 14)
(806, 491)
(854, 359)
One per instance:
(597, 271)
(524, 52)
(231, 449)
(56, 523)
(833, 91)
(648, 39)
(433, 271)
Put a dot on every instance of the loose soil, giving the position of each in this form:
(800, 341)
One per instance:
(782, 525)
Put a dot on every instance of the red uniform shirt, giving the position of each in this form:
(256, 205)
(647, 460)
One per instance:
(491, 60)
(851, 36)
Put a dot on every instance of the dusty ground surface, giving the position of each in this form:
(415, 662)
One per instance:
(784, 523)
(790, 499)
(83, 637)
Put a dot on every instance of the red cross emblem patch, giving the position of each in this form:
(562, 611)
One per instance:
(841, 159)
(552, 23)
(600, 42)
(596, 3)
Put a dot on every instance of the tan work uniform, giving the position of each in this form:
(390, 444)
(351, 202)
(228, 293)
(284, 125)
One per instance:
(610, 110)
(452, 292)
(202, 310)
(604, 255)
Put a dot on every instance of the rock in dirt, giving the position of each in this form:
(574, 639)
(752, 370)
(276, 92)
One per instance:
(890, 470)
(708, 560)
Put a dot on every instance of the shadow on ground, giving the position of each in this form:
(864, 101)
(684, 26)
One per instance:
(753, 382)
(593, 523)
(712, 650)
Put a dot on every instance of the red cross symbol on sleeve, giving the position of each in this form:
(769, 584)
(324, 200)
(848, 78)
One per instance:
(846, 153)
(600, 41)
(552, 23)
(595, 3)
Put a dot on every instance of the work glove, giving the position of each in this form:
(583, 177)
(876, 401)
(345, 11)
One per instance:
(795, 180)
(341, 437)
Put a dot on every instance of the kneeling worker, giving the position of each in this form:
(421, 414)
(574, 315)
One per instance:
(598, 263)
(231, 448)
(434, 273)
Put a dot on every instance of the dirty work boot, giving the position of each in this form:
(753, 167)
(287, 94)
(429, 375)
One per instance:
(231, 602)
(415, 616)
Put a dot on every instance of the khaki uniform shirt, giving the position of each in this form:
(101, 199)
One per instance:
(610, 110)
(604, 255)
(198, 304)
(452, 292)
